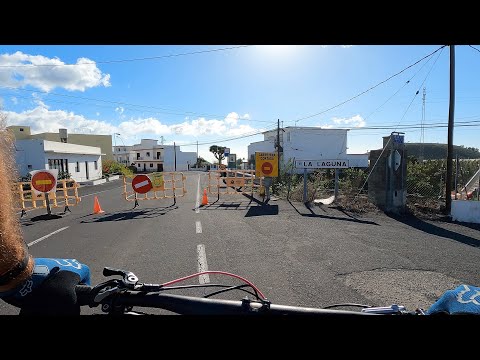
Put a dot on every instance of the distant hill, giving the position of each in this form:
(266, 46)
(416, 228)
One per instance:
(439, 151)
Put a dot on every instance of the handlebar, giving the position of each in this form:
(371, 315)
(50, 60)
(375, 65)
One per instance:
(119, 296)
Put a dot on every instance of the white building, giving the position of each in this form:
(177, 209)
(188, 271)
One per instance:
(309, 143)
(123, 154)
(84, 163)
(148, 156)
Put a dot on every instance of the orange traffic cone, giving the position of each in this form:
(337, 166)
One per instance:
(96, 207)
(205, 197)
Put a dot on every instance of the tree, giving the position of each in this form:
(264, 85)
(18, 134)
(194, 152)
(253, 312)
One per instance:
(200, 162)
(218, 152)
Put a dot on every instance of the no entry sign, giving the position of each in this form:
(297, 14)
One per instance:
(44, 181)
(266, 164)
(141, 184)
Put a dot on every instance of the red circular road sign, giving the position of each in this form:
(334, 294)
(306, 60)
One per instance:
(43, 181)
(141, 184)
(267, 168)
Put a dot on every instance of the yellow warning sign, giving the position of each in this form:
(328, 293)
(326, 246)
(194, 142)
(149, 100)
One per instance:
(266, 164)
(157, 181)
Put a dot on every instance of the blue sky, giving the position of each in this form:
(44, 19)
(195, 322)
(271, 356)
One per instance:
(196, 93)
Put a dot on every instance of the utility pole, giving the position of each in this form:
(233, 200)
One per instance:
(451, 108)
(197, 151)
(422, 130)
(175, 155)
(278, 146)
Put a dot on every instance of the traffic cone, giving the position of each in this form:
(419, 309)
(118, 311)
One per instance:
(96, 207)
(205, 197)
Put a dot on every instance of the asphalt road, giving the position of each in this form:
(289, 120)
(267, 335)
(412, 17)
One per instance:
(294, 254)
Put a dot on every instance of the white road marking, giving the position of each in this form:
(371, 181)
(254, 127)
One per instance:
(47, 236)
(198, 226)
(197, 202)
(202, 264)
(140, 184)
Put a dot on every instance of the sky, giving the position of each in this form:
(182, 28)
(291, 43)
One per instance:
(227, 95)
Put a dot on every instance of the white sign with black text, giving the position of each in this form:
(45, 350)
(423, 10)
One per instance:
(322, 164)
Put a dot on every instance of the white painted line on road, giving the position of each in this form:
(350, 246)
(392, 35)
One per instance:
(202, 264)
(197, 202)
(198, 226)
(47, 236)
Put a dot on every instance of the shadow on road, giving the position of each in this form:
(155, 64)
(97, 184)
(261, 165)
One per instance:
(131, 214)
(236, 205)
(43, 217)
(419, 224)
(262, 210)
(349, 218)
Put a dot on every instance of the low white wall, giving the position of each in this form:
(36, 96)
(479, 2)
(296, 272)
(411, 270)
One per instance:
(466, 211)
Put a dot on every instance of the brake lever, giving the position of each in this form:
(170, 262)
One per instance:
(129, 279)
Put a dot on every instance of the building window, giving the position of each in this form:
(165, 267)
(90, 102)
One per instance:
(138, 165)
(77, 167)
(138, 156)
(118, 149)
(29, 167)
(159, 154)
(21, 129)
(148, 154)
(124, 149)
(96, 165)
(151, 165)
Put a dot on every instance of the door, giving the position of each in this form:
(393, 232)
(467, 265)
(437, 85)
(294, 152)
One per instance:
(159, 167)
(144, 166)
(86, 170)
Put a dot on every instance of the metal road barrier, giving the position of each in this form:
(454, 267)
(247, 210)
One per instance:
(66, 193)
(229, 182)
(154, 186)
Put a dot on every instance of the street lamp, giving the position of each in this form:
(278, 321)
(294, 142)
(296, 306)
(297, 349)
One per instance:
(115, 139)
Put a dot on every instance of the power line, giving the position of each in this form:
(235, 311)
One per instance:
(128, 60)
(169, 111)
(133, 109)
(230, 139)
(369, 89)
(473, 47)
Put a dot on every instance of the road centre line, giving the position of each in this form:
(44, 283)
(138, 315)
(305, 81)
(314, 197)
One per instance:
(202, 264)
(47, 236)
(197, 202)
(198, 227)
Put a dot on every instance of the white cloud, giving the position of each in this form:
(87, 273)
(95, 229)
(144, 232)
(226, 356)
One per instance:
(31, 70)
(143, 126)
(246, 117)
(40, 119)
(120, 110)
(346, 46)
(232, 119)
(14, 100)
(97, 113)
(354, 121)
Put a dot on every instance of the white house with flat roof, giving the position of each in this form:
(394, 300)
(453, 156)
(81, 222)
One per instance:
(149, 156)
(84, 163)
(309, 143)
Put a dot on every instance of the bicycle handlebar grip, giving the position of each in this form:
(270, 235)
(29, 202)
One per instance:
(108, 271)
(84, 296)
